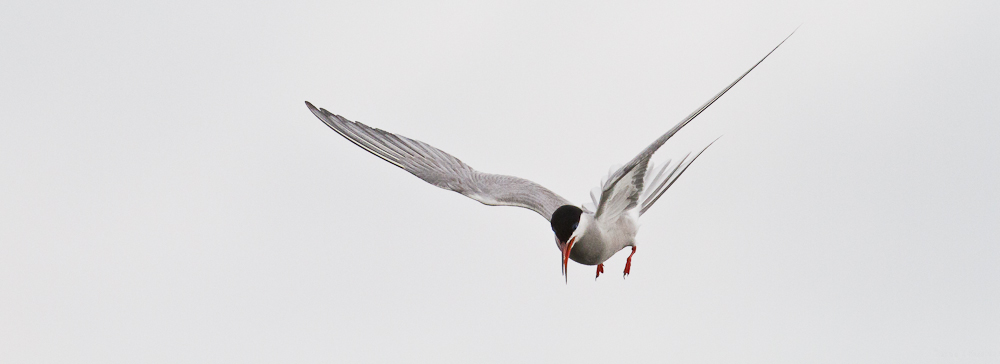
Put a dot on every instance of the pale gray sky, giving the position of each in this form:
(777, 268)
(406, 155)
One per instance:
(166, 196)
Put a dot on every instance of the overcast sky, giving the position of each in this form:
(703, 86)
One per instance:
(166, 197)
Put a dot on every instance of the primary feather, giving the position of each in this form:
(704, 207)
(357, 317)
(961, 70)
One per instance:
(442, 169)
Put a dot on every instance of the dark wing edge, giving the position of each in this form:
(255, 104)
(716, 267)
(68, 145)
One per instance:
(640, 161)
(442, 169)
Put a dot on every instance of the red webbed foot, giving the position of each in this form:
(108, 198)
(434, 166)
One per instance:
(628, 263)
(600, 269)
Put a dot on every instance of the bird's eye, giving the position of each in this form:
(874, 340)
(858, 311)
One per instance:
(575, 225)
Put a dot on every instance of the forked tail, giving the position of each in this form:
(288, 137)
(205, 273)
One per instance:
(664, 179)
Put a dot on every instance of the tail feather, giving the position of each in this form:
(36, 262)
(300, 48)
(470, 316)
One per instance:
(661, 184)
(655, 176)
(665, 183)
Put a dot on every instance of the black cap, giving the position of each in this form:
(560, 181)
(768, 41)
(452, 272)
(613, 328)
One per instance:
(565, 220)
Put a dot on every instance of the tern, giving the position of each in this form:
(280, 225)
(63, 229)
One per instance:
(589, 236)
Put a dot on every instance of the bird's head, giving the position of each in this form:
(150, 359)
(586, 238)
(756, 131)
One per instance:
(566, 225)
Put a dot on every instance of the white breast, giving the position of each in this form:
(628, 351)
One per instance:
(601, 240)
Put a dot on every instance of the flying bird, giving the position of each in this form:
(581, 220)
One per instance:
(587, 236)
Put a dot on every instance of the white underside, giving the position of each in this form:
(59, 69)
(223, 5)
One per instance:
(600, 240)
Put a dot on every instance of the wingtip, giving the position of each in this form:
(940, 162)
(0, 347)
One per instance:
(786, 38)
(320, 113)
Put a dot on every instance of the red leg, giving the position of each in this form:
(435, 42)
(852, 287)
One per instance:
(600, 269)
(628, 262)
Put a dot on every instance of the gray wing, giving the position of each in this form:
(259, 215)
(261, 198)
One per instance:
(442, 169)
(623, 188)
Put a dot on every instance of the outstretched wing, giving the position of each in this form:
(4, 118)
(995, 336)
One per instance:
(623, 188)
(442, 169)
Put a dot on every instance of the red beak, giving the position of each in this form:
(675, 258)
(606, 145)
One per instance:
(565, 257)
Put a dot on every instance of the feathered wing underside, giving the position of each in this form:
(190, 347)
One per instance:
(616, 199)
(442, 169)
(620, 192)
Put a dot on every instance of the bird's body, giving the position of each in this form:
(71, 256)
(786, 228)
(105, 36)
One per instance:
(602, 239)
(587, 236)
